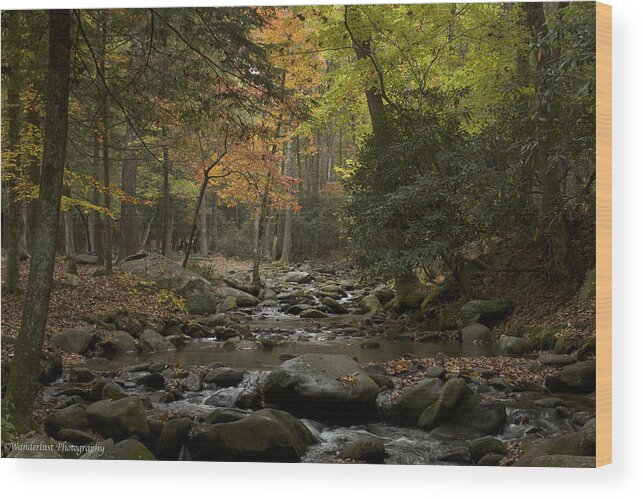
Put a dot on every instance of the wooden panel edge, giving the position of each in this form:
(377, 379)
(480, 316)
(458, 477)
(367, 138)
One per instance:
(603, 234)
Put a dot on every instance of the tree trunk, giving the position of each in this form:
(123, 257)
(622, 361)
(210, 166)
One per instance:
(130, 243)
(195, 221)
(70, 246)
(99, 247)
(167, 229)
(12, 282)
(286, 247)
(203, 228)
(25, 367)
(33, 170)
(214, 232)
(553, 213)
(108, 226)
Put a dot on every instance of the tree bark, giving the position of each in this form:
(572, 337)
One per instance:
(33, 170)
(214, 232)
(167, 229)
(195, 221)
(25, 367)
(99, 247)
(130, 243)
(12, 269)
(203, 227)
(286, 247)
(108, 225)
(70, 245)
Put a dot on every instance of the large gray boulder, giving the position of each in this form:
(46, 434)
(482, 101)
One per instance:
(132, 450)
(117, 342)
(242, 298)
(266, 435)
(367, 449)
(370, 303)
(76, 340)
(200, 297)
(512, 345)
(69, 418)
(322, 387)
(406, 408)
(298, 277)
(575, 378)
(118, 419)
(458, 411)
(476, 333)
(580, 443)
(173, 436)
(487, 312)
(151, 341)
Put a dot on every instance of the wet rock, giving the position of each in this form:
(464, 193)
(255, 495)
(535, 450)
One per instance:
(225, 415)
(486, 445)
(322, 386)
(382, 381)
(153, 380)
(374, 369)
(135, 368)
(173, 436)
(80, 375)
(476, 333)
(490, 460)
(487, 312)
(77, 340)
(511, 345)
(434, 371)
(132, 450)
(177, 341)
(242, 299)
(227, 305)
(312, 313)
(370, 303)
(458, 456)
(367, 449)
(580, 443)
(76, 437)
(576, 378)
(551, 402)
(560, 461)
(266, 435)
(224, 377)
(151, 341)
(218, 319)
(193, 383)
(411, 402)
(369, 345)
(384, 295)
(463, 410)
(118, 419)
(334, 306)
(96, 363)
(556, 360)
(298, 277)
(113, 391)
(69, 418)
(162, 397)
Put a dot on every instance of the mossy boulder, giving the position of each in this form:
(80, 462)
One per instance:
(322, 386)
(487, 312)
(446, 292)
(117, 342)
(132, 450)
(367, 449)
(543, 338)
(480, 447)
(312, 313)
(200, 297)
(476, 333)
(407, 407)
(266, 435)
(118, 419)
(151, 341)
(334, 306)
(76, 340)
(576, 378)
(580, 443)
(384, 295)
(173, 436)
(370, 303)
(511, 345)
(72, 417)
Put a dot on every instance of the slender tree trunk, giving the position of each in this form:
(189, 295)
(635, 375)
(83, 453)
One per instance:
(286, 247)
(215, 223)
(148, 229)
(203, 227)
(108, 226)
(70, 246)
(167, 229)
(25, 367)
(98, 245)
(12, 282)
(130, 243)
(195, 221)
